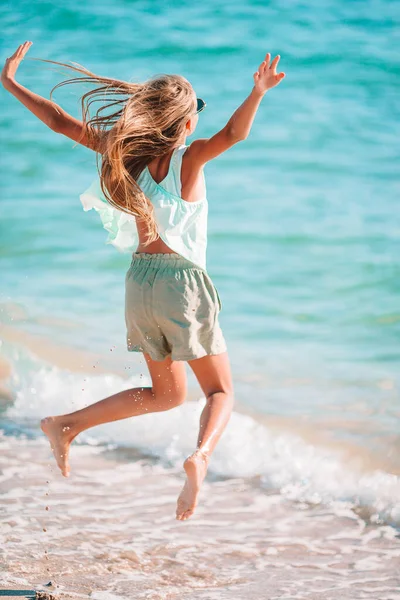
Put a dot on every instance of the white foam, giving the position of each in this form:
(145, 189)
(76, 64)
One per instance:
(247, 448)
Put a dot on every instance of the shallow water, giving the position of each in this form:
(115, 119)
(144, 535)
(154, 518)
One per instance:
(303, 247)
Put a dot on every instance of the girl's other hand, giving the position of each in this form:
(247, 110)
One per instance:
(266, 77)
(12, 63)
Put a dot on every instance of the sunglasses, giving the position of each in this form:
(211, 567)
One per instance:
(200, 105)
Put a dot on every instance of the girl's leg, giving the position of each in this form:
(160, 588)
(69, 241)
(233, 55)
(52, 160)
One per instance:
(168, 390)
(214, 376)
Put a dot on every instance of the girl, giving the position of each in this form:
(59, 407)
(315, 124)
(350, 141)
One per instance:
(151, 196)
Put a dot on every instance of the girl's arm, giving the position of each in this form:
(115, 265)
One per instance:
(47, 111)
(239, 125)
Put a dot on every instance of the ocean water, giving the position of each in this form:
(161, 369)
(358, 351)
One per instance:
(304, 241)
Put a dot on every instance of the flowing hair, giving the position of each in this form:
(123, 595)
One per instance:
(147, 119)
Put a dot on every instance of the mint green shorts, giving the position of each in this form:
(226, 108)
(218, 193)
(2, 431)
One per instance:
(171, 308)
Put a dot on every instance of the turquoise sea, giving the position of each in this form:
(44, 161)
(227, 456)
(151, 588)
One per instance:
(304, 228)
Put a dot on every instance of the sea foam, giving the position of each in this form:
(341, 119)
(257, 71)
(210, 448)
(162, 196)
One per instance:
(247, 449)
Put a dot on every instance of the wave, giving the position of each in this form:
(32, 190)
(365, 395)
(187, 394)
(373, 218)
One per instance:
(278, 461)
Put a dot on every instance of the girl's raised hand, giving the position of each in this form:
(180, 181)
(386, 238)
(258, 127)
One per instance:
(266, 77)
(12, 63)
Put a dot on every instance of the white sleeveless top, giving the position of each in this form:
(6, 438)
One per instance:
(181, 225)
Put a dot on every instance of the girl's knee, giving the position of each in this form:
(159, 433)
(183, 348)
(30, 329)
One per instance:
(226, 392)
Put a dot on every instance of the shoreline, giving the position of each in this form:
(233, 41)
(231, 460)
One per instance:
(80, 361)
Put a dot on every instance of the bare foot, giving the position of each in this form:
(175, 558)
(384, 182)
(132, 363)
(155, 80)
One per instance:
(60, 439)
(196, 469)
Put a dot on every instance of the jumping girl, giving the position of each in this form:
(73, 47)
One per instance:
(151, 196)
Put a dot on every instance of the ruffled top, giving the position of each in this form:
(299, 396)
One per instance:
(181, 225)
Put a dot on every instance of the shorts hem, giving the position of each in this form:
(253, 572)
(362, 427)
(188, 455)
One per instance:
(187, 357)
(143, 351)
(196, 356)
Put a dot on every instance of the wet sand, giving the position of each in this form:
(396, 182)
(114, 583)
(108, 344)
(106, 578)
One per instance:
(111, 528)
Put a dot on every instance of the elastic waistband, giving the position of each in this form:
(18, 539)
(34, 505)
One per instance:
(159, 259)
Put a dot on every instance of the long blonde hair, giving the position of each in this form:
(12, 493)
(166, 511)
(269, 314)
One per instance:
(146, 123)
